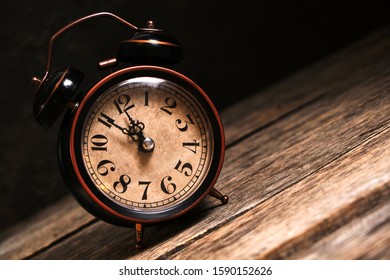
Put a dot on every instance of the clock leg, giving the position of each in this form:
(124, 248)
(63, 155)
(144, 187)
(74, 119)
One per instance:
(216, 194)
(139, 236)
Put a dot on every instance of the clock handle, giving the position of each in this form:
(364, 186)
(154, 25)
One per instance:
(216, 194)
(73, 24)
(55, 92)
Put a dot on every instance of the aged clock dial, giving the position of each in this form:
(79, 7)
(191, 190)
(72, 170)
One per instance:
(146, 144)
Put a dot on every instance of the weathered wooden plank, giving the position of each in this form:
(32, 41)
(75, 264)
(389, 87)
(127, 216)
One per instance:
(266, 131)
(44, 229)
(264, 164)
(296, 218)
(367, 237)
(305, 86)
(105, 241)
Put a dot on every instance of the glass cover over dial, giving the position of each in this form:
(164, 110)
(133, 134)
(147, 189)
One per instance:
(147, 144)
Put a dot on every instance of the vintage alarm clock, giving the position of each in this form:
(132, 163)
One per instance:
(141, 146)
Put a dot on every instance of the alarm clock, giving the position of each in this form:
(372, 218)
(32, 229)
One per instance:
(141, 146)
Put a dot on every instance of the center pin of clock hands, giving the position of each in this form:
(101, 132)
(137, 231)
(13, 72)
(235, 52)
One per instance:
(135, 131)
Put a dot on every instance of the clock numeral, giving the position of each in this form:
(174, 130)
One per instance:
(186, 168)
(187, 122)
(121, 185)
(107, 121)
(123, 103)
(146, 98)
(103, 167)
(171, 104)
(146, 184)
(170, 188)
(100, 142)
(192, 146)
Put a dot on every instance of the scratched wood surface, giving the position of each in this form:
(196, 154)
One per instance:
(307, 169)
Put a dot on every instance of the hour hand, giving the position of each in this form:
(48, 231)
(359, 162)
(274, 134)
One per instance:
(107, 121)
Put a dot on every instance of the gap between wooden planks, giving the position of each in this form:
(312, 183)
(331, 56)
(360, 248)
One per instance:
(332, 108)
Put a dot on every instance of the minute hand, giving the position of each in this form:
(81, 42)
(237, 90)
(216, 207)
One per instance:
(135, 128)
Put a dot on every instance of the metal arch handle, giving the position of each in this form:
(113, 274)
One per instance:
(72, 25)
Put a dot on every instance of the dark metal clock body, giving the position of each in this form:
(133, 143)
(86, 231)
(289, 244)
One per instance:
(144, 145)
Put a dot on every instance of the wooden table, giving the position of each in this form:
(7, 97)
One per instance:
(307, 170)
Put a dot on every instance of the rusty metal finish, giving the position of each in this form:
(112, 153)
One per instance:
(71, 26)
(139, 236)
(218, 195)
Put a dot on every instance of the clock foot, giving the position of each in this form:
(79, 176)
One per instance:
(139, 236)
(216, 194)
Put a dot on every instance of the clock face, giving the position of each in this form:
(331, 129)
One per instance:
(146, 144)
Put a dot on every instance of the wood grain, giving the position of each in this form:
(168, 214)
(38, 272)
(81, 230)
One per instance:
(366, 237)
(44, 229)
(305, 170)
(293, 220)
(303, 87)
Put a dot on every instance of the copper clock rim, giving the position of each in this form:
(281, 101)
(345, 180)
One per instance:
(155, 70)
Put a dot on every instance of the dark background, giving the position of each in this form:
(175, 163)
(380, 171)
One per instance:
(232, 49)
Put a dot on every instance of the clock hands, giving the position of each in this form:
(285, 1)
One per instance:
(135, 131)
(145, 144)
(107, 121)
(135, 128)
